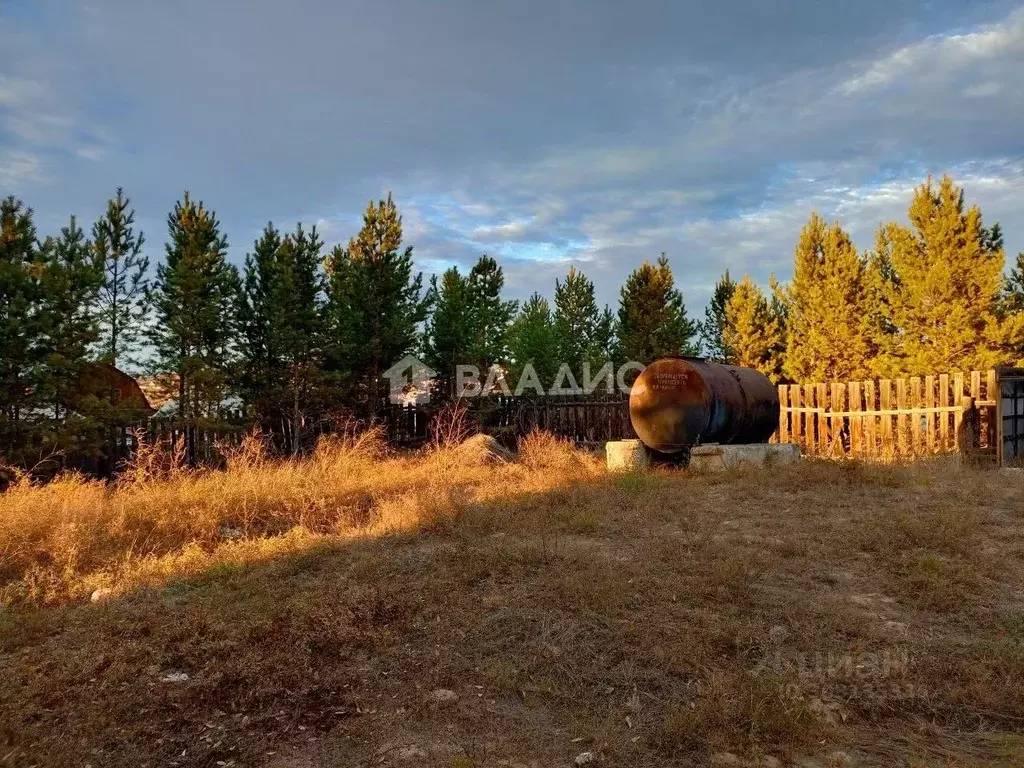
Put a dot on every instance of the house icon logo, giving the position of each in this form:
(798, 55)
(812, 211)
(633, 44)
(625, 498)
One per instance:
(410, 381)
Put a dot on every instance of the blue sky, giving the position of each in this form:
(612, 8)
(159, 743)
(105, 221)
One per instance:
(545, 132)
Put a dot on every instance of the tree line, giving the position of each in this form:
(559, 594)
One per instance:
(928, 298)
(301, 332)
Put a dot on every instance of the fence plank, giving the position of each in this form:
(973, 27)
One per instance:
(902, 420)
(798, 416)
(812, 418)
(838, 406)
(917, 438)
(871, 433)
(930, 418)
(958, 393)
(823, 421)
(856, 425)
(944, 416)
(784, 414)
(885, 401)
(992, 411)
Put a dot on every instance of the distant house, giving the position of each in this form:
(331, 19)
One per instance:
(160, 389)
(101, 378)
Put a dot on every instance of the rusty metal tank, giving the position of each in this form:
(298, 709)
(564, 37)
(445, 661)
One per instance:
(679, 402)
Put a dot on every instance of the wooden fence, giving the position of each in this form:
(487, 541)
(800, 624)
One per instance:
(892, 418)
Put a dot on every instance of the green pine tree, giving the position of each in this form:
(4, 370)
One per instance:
(830, 307)
(22, 333)
(652, 316)
(121, 304)
(1013, 291)
(449, 333)
(72, 281)
(374, 303)
(490, 317)
(753, 330)
(711, 330)
(606, 340)
(195, 300)
(576, 322)
(940, 281)
(533, 340)
(296, 329)
(258, 365)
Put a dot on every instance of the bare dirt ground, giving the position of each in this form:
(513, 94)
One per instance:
(818, 614)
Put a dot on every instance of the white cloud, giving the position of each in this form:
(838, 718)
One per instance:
(941, 54)
(18, 168)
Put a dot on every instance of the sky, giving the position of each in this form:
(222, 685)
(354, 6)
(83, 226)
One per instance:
(547, 133)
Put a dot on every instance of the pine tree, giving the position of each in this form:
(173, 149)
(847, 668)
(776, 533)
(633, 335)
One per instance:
(576, 320)
(258, 367)
(830, 307)
(72, 279)
(449, 333)
(490, 317)
(121, 303)
(753, 331)
(606, 343)
(195, 300)
(940, 280)
(1013, 291)
(532, 339)
(375, 302)
(296, 327)
(652, 317)
(22, 331)
(711, 330)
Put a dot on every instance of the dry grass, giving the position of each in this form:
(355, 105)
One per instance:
(651, 619)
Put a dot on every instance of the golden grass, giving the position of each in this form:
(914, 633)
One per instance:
(661, 618)
(65, 539)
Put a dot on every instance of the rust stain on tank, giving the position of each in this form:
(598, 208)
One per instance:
(679, 402)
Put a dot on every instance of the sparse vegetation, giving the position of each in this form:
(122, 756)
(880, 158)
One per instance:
(295, 613)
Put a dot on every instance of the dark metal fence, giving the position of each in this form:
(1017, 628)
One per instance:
(579, 418)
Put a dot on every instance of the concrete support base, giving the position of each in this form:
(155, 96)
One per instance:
(626, 455)
(719, 458)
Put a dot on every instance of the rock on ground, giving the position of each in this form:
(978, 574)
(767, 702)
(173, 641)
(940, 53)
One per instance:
(486, 449)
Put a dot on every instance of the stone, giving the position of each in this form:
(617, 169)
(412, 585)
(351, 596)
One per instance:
(99, 595)
(174, 677)
(442, 697)
(626, 455)
(721, 458)
(483, 448)
(585, 758)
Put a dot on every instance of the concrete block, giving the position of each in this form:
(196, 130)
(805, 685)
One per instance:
(719, 458)
(626, 455)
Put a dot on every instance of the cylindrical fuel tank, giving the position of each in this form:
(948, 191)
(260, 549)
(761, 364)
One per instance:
(679, 402)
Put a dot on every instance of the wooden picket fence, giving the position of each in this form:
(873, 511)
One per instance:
(887, 419)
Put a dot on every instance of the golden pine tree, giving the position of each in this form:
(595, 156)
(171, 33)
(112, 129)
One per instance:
(753, 331)
(829, 307)
(940, 281)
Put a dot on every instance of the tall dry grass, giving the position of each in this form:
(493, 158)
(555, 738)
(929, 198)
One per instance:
(66, 539)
